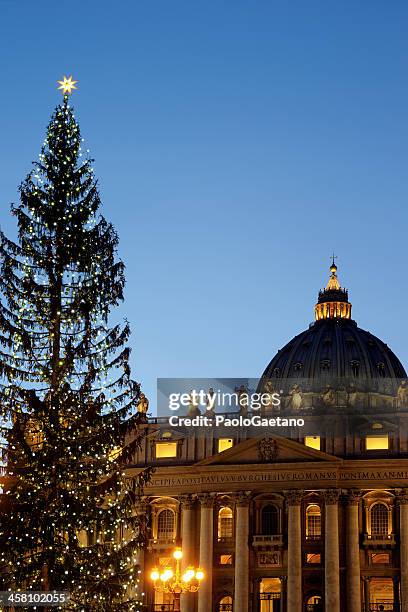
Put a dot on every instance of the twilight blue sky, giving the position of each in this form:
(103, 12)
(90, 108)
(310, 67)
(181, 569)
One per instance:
(237, 144)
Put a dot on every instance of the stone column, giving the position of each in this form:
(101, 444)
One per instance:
(396, 592)
(331, 554)
(256, 584)
(366, 580)
(206, 551)
(283, 581)
(187, 544)
(294, 591)
(403, 512)
(241, 591)
(353, 552)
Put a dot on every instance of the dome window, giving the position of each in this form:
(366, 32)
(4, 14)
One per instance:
(276, 372)
(325, 364)
(381, 369)
(355, 367)
(298, 366)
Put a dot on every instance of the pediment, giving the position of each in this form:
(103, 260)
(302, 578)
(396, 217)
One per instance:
(272, 449)
(165, 435)
(370, 426)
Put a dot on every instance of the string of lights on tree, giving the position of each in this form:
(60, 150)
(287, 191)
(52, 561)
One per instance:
(68, 403)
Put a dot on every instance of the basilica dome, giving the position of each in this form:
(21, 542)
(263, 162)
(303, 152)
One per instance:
(334, 347)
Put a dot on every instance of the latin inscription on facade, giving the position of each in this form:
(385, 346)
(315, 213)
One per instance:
(284, 477)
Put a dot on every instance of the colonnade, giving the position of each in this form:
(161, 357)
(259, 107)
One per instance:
(293, 579)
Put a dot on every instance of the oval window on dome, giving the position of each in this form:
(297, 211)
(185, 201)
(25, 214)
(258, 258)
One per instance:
(381, 369)
(325, 364)
(355, 367)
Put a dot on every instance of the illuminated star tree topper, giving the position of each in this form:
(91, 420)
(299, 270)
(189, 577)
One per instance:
(67, 85)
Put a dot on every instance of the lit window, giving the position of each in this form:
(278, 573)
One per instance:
(165, 524)
(377, 443)
(165, 561)
(380, 558)
(225, 444)
(225, 559)
(313, 522)
(315, 601)
(166, 450)
(313, 558)
(379, 519)
(313, 442)
(225, 604)
(225, 524)
(114, 453)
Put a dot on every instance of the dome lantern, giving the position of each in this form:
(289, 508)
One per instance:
(333, 301)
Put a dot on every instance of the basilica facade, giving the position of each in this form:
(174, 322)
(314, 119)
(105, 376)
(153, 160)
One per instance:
(309, 519)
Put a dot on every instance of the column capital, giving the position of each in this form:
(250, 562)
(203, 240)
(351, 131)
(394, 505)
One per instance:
(242, 499)
(207, 500)
(187, 501)
(294, 497)
(402, 497)
(331, 496)
(352, 497)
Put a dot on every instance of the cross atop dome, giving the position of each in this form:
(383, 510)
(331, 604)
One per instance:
(333, 280)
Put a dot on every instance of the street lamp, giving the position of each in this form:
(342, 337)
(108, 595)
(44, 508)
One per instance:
(171, 580)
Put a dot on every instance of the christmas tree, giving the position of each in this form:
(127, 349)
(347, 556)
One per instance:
(69, 406)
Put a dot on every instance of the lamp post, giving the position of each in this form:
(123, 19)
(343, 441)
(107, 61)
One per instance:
(171, 580)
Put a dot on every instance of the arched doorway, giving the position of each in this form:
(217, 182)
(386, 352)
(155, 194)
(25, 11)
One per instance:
(314, 603)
